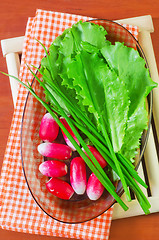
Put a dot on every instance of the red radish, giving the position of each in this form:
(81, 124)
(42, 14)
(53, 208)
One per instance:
(97, 155)
(94, 188)
(53, 168)
(59, 188)
(65, 124)
(49, 129)
(55, 150)
(78, 175)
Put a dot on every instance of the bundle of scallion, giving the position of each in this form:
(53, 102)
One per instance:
(104, 88)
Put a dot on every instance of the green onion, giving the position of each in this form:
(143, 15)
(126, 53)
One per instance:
(104, 180)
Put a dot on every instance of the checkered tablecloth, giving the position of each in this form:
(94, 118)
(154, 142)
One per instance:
(19, 212)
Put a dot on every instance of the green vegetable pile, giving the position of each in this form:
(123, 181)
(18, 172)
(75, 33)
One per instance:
(104, 88)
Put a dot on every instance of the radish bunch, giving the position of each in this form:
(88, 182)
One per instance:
(58, 168)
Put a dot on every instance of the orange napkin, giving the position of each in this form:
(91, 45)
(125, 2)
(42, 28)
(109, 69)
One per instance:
(19, 212)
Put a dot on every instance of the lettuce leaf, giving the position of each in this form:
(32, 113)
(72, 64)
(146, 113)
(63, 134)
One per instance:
(56, 60)
(135, 125)
(88, 32)
(109, 101)
(129, 66)
(117, 107)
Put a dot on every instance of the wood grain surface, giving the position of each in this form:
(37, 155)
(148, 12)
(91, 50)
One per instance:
(13, 19)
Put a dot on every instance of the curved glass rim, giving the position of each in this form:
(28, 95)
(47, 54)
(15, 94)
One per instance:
(120, 191)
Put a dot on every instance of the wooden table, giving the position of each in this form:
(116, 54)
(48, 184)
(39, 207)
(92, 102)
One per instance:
(13, 19)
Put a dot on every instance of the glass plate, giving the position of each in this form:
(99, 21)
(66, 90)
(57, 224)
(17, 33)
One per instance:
(63, 210)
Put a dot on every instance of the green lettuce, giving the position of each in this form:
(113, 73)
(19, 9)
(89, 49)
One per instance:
(130, 67)
(108, 83)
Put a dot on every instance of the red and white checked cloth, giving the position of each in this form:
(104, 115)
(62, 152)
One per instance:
(19, 211)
